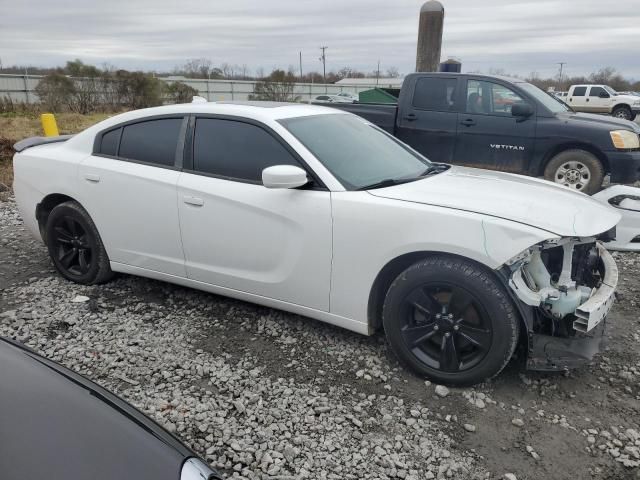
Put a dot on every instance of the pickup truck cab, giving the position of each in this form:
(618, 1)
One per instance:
(510, 125)
(603, 99)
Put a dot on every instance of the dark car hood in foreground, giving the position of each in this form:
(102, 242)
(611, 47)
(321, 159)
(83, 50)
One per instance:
(56, 425)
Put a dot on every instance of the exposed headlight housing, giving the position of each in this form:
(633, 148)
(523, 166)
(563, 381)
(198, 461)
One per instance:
(625, 139)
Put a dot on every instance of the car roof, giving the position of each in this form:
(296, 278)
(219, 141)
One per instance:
(264, 112)
(251, 109)
(504, 78)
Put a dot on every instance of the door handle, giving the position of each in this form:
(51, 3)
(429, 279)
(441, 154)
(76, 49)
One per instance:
(195, 201)
(468, 122)
(587, 99)
(411, 117)
(92, 177)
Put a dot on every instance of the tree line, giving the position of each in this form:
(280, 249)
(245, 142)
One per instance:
(604, 76)
(83, 88)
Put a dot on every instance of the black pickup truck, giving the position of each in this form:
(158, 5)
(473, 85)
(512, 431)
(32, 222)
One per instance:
(510, 125)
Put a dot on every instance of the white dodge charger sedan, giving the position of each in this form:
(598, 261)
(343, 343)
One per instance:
(320, 213)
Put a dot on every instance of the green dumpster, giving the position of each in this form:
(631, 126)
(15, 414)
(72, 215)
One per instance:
(379, 95)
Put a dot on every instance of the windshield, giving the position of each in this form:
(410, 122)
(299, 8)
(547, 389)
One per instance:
(551, 102)
(356, 152)
(610, 90)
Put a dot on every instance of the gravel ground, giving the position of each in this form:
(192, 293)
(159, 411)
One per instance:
(265, 394)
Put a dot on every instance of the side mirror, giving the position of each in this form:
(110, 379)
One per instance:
(284, 176)
(521, 110)
(604, 95)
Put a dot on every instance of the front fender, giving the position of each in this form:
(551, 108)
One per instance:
(369, 232)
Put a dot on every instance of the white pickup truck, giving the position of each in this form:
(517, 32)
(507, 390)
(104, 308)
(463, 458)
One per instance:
(602, 99)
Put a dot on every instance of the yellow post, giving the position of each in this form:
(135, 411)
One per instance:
(49, 125)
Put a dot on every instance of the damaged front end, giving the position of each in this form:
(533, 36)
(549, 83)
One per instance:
(569, 286)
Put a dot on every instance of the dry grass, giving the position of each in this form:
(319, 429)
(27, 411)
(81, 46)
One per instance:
(14, 127)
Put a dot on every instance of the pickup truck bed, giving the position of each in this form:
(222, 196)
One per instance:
(381, 114)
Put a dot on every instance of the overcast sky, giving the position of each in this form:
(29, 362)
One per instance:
(517, 36)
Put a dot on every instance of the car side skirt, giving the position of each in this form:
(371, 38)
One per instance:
(343, 322)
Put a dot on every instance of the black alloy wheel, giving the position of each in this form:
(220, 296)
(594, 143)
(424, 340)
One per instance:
(75, 246)
(73, 250)
(446, 327)
(450, 319)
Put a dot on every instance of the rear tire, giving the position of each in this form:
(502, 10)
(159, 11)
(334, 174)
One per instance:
(472, 336)
(577, 169)
(624, 112)
(75, 246)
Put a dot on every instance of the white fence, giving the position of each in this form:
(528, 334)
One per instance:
(21, 88)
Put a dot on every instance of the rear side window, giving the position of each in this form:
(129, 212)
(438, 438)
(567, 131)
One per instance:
(596, 91)
(436, 94)
(579, 92)
(110, 141)
(236, 150)
(153, 141)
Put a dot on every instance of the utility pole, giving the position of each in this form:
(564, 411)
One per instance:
(300, 66)
(26, 84)
(378, 73)
(562, 64)
(323, 59)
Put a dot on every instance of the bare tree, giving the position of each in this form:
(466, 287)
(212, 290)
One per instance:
(87, 82)
(179, 92)
(54, 91)
(392, 72)
(277, 87)
(197, 68)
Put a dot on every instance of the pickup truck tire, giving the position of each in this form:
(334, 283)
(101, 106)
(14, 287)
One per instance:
(622, 111)
(450, 320)
(576, 169)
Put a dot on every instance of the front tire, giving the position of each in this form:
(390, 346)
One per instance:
(75, 246)
(577, 169)
(623, 112)
(450, 320)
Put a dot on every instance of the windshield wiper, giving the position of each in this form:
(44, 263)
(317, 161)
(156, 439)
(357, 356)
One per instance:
(434, 168)
(388, 182)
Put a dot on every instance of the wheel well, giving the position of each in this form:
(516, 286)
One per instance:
(43, 209)
(628, 107)
(391, 271)
(574, 146)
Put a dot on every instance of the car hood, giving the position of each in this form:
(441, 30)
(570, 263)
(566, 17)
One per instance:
(603, 121)
(526, 200)
(56, 424)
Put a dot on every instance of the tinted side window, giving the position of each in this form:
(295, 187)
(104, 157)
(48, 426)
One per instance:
(236, 149)
(153, 141)
(109, 143)
(435, 94)
(596, 91)
(579, 91)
